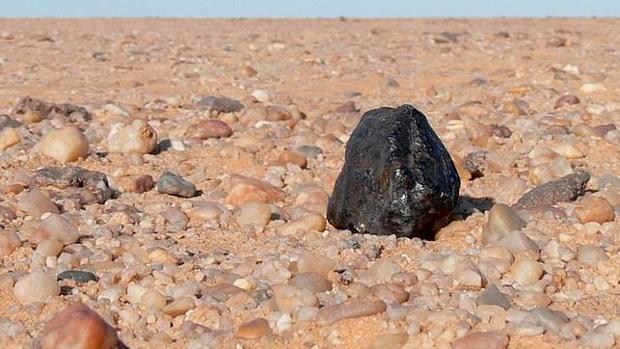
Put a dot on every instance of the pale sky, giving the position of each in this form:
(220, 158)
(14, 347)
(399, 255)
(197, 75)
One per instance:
(309, 8)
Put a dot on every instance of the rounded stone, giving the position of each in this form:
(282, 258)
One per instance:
(64, 145)
(35, 287)
(594, 209)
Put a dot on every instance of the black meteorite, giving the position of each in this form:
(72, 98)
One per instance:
(397, 178)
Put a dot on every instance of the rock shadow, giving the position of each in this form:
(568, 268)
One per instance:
(465, 207)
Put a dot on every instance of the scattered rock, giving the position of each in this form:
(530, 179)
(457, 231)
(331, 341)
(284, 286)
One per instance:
(245, 189)
(36, 287)
(313, 282)
(350, 309)
(94, 184)
(591, 254)
(64, 145)
(209, 129)
(566, 100)
(526, 272)
(136, 184)
(567, 188)
(253, 213)
(348, 107)
(502, 220)
(35, 203)
(410, 183)
(253, 329)
(137, 137)
(492, 296)
(486, 340)
(9, 242)
(9, 136)
(220, 104)
(80, 276)
(77, 326)
(172, 184)
(57, 228)
(34, 110)
(594, 209)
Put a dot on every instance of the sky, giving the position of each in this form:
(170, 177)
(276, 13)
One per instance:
(309, 8)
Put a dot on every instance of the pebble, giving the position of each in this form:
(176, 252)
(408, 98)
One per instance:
(172, 184)
(179, 306)
(9, 242)
(77, 275)
(314, 282)
(35, 287)
(207, 129)
(566, 100)
(289, 299)
(502, 220)
(153, 299)
(594, 209)
(220, 104)
(309, 262)
(136, 184)
(260, 96)
(176, 219)
(77, 326)
(253, 329)
(526, 272)
(353, 308)
(598, 340)
(253, 213)
(63, 145)
(310, 222)
(57, 228)
(291, 157)
(90, 186)
(591, 88)
(517, 241)
(492, 296)
(35, 203)
(9, 136)
(565, 189)
(392, 340)
(591, 254)
(246, 190)
(137, 137)
(551, 320)
(390, 293)
(486, 340)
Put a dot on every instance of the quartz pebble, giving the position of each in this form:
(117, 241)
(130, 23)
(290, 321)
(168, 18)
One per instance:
(63, 145)
(492, 296)
(246, 190)
(9, 242)
(209, 129)
(35, 203)
(351, 309)
(172, 184)
(502, 220)
(137, 137)
(253, 329)
(290, 299)
(9, 136)
(309, 262)
(480, 340)
(179, 306)
(253, 213)
(311, 221)
(526, 272)
(35, 287)
(77, 326)
(57, 228)
(594, 209)
(313, 282)
(591, 254)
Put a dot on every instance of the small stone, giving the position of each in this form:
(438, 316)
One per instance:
(209, 129)
(309, 222)
(77, 326)
(566, 100)
(9, 242)
(291, 157)
(253, 329)
(410, 183)
(80, 276)
(153, 299)
(353, 308)
(253, 213)
(598, 340)
(177, 220)
(260, 96)
(486, 340)
(57, 228)
(348, 107)
(568, 151)
(35, 204)
(220, 104)
(476, 163)
(591, 254)
(289, 299)
(64, 145)
(390, 293)
(49, 247)
(35, 110)
(392, 340)
(309, 262)
(179, 306)
(517, 242)
(492, 296)
(249, 71)
(502, 220)
(136, 184)
(246, 190)
(137, 137)
(35, 287)
(222, 292)
(9, 136)
(314, 282)
(592, 87)
(172, 184)
(594, 209)
(551, 320)
(526, 272)
(565, 189)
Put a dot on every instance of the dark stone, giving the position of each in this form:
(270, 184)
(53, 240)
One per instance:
(92, 186)
(492, 296)
(77, 275)
(175, 185)
(565, 189)
(397, 178)
(6, 121)
(51, 110)
(476, 163)
(220, 104)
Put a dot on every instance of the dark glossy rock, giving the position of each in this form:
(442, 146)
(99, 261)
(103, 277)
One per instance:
(397, 178)
(175, 185)
(565, 189)
(77, 275)
(87, 186)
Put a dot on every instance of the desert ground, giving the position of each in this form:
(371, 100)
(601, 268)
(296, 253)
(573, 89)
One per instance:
(251, 119)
